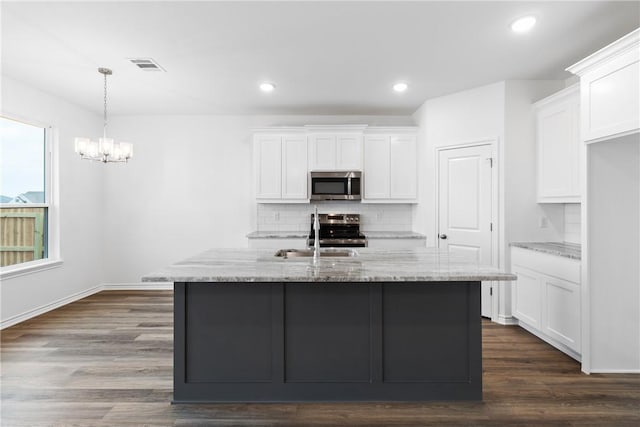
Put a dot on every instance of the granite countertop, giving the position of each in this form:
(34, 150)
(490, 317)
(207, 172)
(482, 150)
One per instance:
(371, 265)
(304, 234)
(278, 234)
(393, 235)
(562, 249)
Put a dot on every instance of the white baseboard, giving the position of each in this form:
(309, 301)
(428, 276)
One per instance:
(146, 286)
(560, 346)
(48, 307)
(615, 371)
(139, 286)
(506, 320)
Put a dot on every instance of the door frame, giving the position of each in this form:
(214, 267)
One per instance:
(493, 143)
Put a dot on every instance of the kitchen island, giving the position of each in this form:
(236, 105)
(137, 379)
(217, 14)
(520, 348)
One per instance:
(380, 326)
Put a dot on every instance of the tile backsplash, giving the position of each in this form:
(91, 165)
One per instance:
(297, 217)
(572, 223)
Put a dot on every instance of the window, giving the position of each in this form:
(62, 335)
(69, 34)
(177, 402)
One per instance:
(25, 193)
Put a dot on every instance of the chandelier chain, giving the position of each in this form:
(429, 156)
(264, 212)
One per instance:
(105, 105)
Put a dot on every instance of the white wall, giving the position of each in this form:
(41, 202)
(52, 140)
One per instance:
(521, 211)
(613, 254)
(468, 116)
(188, 188)
(500, 111)
(81, 205)
(520, 214)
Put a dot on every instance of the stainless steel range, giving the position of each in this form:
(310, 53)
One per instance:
(338, 230)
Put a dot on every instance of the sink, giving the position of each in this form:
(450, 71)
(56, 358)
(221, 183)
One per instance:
(327, 252)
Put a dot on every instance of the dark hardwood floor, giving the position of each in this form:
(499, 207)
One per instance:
(107, 361)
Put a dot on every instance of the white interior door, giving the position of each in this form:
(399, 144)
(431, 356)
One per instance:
(464, 206)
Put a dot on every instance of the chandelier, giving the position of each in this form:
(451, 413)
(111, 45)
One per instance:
(104, 150)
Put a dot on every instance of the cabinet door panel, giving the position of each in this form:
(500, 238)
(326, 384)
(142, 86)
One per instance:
(527, 297)
(556, 151)
(349, 152)
(376, 167)
(323, 152)
(268, 170)
(294, 167)
(611, 97)
(558, 147)
(561, 312)
(403, 167)
(327, 331)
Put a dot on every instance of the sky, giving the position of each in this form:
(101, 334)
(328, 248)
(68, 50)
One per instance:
(22, 150)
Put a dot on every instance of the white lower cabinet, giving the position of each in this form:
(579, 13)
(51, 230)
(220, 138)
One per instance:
(526, 296)
(546, 298)
(561, 311)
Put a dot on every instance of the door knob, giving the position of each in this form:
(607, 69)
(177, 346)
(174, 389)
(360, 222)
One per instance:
(443, 236)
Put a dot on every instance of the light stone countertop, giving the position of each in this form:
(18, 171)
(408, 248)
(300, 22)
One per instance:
(371, 265)
(393, 235)
(305, 234)
(561, 249)
(278, 234)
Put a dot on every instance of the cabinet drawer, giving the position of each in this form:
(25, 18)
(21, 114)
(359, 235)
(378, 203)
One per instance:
(552, 265)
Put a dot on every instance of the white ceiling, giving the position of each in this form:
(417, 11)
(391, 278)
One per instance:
(325, 57)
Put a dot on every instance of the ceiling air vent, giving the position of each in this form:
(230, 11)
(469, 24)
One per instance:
(146, 64)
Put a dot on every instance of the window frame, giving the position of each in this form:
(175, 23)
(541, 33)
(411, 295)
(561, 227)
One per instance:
(51, 203)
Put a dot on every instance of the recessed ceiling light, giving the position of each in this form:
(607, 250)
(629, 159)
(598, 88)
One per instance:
(400, 87)
(523, 24)
(267, 87)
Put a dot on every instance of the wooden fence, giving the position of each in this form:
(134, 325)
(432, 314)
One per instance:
(22, 236)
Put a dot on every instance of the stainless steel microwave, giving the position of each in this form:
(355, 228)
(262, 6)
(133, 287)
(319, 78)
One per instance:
(336, 185)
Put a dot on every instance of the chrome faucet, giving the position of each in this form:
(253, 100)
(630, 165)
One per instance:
(316, 240)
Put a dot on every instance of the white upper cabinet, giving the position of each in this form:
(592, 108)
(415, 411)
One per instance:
(349, 152)
(294, 167)
(281, 167)
(323, 152)
(390, 167)
(610, 89)
(376, 167)
(403, 167)
(268, 161)
(558, 147)
(333, 148)
(284, 156)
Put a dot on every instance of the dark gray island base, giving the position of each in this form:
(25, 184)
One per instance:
(380, 325)
(327, 341)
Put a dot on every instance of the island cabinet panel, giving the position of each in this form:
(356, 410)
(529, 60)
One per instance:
(229, 333)
(327, 333)
(321, 341)
(429, 323)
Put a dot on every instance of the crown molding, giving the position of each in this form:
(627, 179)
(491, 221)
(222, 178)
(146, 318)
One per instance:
(562, 94)
(607, 53)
